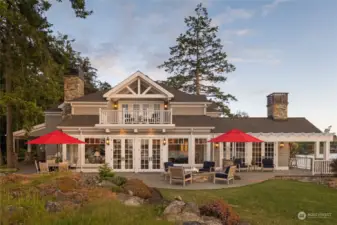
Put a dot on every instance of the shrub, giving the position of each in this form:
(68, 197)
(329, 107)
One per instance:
(138, 188)
(222, 211)
(334, 167)
(105, 171)
(118, 180)
(117, 189)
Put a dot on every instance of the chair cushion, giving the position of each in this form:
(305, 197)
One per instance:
(208, 164)
(227, 169)
(221, 175)
(188, 176)
(167, 165)
(268, 162)
(204, 170)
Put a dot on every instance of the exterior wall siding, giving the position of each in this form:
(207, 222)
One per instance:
(80, 110)
(283, 155)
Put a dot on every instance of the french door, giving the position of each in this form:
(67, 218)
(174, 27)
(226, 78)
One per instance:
(123, 154)
(150, 151)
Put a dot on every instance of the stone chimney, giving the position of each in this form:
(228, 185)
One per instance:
(277, 106)
(73, 85)
(73, 88)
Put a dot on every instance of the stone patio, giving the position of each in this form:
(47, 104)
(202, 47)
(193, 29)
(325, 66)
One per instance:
(157, 180)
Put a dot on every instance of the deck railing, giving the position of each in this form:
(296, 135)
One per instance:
(321, 167)
(135, 116)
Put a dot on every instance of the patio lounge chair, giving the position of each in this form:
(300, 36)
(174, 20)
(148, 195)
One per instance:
(240, 165)
(166, 168)
(43, 167)
(268, 164)
(179, 174)
(208, 167)
(225, 176)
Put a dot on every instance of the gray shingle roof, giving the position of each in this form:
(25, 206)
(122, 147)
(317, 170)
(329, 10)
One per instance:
(254, 125)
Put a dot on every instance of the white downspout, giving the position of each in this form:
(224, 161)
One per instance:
(80, 149)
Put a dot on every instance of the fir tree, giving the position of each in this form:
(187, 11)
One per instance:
(198, 62)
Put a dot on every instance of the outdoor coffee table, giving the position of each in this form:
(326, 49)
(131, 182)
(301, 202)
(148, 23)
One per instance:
(202, 177)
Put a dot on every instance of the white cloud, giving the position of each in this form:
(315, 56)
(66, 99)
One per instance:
(268, 8)
(230, 15)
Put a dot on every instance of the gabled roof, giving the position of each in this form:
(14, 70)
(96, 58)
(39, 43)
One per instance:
(134, 77)
(93, 97)
(180, 96)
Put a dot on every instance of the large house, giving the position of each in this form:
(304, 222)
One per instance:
(139, 124)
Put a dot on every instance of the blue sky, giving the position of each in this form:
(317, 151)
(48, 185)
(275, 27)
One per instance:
(276, 46)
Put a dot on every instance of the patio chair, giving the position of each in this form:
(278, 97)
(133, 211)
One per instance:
(63, 166)
(36, 167)
(166, 168)
(268, 164)
(227, 175)
(207, 167)
(179, 174)
(43, 167)
(240, 165)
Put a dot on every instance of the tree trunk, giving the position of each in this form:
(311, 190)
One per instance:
(9, 130)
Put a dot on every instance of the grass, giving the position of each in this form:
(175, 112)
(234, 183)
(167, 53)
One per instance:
(274, 202)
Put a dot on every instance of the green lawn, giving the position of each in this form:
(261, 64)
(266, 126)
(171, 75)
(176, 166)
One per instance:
(271, 202)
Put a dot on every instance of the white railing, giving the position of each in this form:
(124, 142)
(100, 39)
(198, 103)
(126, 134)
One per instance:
(135, 116)
(321, 167)
(302, 162)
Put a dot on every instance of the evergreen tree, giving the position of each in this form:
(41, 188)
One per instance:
(32, 61)
(198, 62)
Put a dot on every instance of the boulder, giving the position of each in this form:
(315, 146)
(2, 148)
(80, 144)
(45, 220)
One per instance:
(107, 184)
(138, 188)
(51, 206)
(133, 201)
(188, 216)
(174, 208)
(208, 220)
(191, 207)
(178, 198)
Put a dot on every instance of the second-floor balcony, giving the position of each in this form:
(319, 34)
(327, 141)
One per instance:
(135, 116)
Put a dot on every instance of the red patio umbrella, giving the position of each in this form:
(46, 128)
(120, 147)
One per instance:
(235, 135)
(56, 137)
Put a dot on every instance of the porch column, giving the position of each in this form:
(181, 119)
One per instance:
(29, 148)
(326, 152)
(208, 152)
(221, 153)
(276, 144)
(316, 149)
(249, 153)
(263, 145)
(191, 150)
(64, 152)
(227, 152)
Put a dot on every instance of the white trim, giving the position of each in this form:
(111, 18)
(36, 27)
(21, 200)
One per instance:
(61, 105)
(84, 103)
(136, 75)
(53, 113)
(22, 132)
(136, 126)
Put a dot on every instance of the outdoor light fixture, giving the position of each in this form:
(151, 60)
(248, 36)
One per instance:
(164, 142)
(107, 141)
(281, 144)
(165, 105)
(115, 105)
(216, 145)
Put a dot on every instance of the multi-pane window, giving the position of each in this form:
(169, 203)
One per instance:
(256, 154)
(269, 150)
(200, 150)
(94, 150)
(117, 153)
(156, 154)
(72, 154)
(178, 150)
(144, 154)
(128, 154)
(240, 151)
